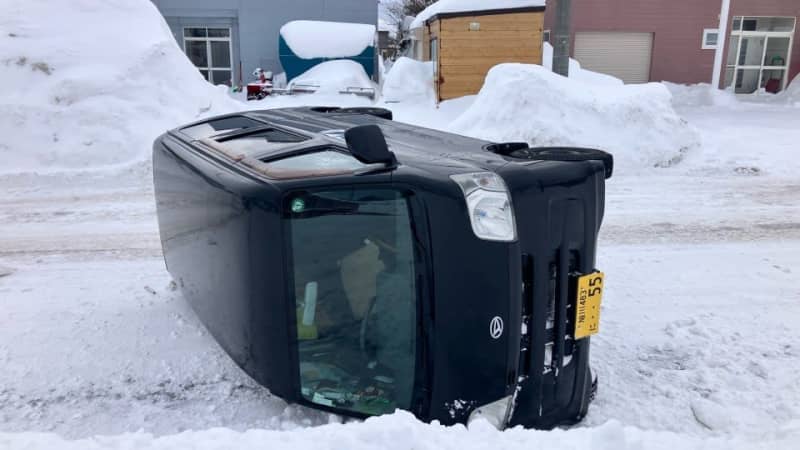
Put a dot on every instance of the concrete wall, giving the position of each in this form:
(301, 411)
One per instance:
(255, 23)
(678, 29)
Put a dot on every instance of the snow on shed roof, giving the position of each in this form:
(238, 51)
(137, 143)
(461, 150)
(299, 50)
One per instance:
(314, 39)
(463, 6)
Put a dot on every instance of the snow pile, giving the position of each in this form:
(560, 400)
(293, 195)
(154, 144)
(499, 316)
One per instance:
(521, 102)
(409, 80)
(332, 77)
(457, 6)
(699, 95)
(80, 93)
(315, 39)
(792, 93)
(576, 72)
(401, 431)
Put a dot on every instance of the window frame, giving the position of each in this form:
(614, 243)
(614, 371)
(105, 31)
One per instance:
(546, 36)
(704, 45)
(739, 34)
(418, 221)
(210, 67)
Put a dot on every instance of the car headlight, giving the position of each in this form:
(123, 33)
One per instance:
(496, 413)
(489, 206)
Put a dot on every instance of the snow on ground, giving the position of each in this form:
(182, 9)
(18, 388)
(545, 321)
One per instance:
(332, 77)
(311, 39)
(120, 90)
(524, 102)
(702, 261)
(702, 265)
(792, 93)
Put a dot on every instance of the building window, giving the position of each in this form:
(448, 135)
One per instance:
(210, 51)
(710, 38)
(546, 36)
(758, 54)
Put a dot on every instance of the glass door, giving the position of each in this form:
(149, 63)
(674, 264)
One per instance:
(759, 50)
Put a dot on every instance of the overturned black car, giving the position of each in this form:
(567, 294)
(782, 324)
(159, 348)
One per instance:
(359, 265)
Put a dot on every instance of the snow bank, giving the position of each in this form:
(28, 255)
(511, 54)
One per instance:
(700, 95)
(88, 84)
(315, 39)
(409, 80)
(792, 93)
(529, 103)
(331, 77)
(402, 431)
(576, 72)
(456, 6)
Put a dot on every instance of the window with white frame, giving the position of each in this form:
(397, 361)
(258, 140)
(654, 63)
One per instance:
(210, 51)
(710, 38)
(546, 36)
(759, 53)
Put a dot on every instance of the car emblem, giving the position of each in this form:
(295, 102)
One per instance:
(496, 327)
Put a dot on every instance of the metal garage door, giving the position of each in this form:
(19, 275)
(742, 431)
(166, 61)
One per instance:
(624, 55)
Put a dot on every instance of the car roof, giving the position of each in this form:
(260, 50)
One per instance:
(285, 132)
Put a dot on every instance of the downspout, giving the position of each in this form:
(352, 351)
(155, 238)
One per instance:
(722, 40)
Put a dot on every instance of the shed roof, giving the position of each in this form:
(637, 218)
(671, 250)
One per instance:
(462, 7)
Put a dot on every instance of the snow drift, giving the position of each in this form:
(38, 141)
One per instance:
(529, 103)
(79, 92)
(700, 95)
(409, 80)
(792, 93)
(332, 77)
(400, 431)
(314, 39)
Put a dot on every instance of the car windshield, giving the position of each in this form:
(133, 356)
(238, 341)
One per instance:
(353, 270)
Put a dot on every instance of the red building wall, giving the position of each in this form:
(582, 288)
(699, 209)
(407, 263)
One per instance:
(678, 29)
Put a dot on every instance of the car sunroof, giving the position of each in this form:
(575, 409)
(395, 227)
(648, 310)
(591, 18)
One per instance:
(259, 141)
(212, 127)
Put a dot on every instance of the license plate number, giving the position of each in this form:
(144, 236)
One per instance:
(587, 311)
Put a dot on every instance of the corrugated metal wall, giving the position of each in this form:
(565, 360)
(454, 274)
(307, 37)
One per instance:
(256, 23)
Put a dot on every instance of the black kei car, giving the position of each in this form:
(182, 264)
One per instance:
(359, 265)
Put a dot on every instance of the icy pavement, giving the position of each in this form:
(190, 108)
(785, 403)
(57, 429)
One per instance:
(696, 348)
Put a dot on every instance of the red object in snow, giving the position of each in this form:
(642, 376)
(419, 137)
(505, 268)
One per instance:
(773, 85)
(261, 88)
(257, 91)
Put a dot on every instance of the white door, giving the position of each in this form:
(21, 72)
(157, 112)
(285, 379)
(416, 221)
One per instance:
(624, 55)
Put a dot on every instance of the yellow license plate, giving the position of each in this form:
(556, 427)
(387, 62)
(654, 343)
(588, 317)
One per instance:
(587, 311)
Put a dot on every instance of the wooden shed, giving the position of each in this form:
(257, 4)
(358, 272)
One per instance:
(465, 44)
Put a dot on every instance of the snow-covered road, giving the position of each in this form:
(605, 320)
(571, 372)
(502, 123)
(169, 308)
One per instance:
(703, 263)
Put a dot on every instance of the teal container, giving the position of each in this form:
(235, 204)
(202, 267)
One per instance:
(294, 65)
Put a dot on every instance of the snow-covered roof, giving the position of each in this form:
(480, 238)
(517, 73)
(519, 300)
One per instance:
(391, 28)
(465, 6)
(315, 39)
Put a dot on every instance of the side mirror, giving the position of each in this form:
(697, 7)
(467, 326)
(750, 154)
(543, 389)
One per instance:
(368, 145)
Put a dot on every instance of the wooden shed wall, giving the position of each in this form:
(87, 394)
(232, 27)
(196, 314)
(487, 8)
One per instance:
(466, 56)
